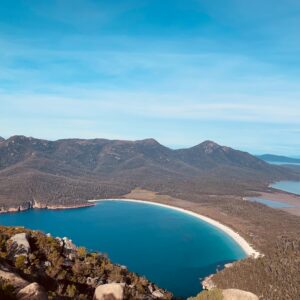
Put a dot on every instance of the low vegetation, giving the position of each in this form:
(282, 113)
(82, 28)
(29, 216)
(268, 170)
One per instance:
(214, 294)
(65, 271)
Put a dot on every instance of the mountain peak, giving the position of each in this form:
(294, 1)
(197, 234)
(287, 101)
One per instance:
(149, 141)
(208, 146)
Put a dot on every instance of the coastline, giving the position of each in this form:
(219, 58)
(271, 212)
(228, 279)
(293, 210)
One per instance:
(40, 206)
(282, 197)
(246, 247)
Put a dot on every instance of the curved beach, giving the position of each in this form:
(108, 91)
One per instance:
(247, 248)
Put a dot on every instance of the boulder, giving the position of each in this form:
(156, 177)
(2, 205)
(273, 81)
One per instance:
(32, 291)
(92, 281)
(110, 291)
(235, 294)
(18, 245)
(14, 279)
(158, 294)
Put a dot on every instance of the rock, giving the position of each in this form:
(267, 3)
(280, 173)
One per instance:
(111, 291)
(69, 249)
(14, 279)
(234, 294)
(158, 294)
(68, 244)
(229, 265)
(18, 245)
(150, 288)
(207, 283)
(32, 291)
(92, 281)
(47, 263)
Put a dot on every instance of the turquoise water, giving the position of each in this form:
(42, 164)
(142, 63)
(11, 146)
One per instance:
(271, 203)
(170, 248)
(288, 186)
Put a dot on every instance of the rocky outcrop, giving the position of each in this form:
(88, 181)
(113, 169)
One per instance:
(67, 271)
(234, 294)
(207, 283)
(32, 291)
(14, 279)
(18, 245)
(158, 294)
(25, 206)
(110, 291)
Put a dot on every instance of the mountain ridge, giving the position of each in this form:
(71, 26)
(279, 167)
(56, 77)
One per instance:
(71, 171)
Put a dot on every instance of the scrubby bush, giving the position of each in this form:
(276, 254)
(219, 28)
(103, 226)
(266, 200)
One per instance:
(20, 262)
(6, 290)
(71, 290)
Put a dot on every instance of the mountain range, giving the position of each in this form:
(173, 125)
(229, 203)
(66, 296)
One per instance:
(71, 171)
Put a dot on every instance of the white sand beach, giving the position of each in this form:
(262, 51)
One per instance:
(247, 248)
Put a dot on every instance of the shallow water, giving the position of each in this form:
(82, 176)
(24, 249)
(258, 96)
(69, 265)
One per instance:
(271, 203)
(170, 248)
(288, 186)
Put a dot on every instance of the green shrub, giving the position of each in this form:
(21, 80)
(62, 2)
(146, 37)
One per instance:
(71, 290)
(20, 262)
(6, 290)
(81, 251)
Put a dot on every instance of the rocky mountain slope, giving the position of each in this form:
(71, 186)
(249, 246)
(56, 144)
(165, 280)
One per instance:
(68, 172)
(35, 266)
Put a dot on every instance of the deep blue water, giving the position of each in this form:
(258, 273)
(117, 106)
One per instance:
(288, 186)
(271, 203)
(170, 248)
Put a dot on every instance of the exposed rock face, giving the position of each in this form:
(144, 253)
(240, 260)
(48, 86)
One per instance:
(18, 245)
(32, 291)
(234, 294)
(69, 249)
(14, 279)
(207, 283)
(110, 291)
(157, 295)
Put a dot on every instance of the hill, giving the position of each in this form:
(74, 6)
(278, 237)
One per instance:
(35, 172)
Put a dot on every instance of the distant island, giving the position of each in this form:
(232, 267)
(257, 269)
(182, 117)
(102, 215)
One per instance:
(279, 158)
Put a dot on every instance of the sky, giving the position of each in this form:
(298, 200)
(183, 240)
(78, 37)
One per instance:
(178, 71)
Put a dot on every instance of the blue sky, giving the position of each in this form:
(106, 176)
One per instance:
(178, 71)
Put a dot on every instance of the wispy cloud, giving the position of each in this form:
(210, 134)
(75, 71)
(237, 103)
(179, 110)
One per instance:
(225, 72)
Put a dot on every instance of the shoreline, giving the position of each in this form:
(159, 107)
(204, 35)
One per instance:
(23, 208)
(282, 197)
(246, 247)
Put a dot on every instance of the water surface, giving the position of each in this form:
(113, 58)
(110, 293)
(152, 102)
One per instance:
(288, 186)
(271, 203)
(170, 248)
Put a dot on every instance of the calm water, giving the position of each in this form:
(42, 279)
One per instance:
(169, 247)
(282, 163)
(271, 203)
(288, 186)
